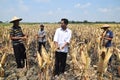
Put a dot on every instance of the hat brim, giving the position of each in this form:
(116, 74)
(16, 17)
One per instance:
(15, 20)
(105, 27)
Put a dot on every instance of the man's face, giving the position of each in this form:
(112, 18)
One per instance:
(42, 28)
(63, 25)
(16, 23)
(105, 29)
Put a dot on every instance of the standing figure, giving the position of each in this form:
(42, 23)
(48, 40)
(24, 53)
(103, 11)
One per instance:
(62, 40)
(17, 38)
(106, 42)
(107, 36)
(41, 36)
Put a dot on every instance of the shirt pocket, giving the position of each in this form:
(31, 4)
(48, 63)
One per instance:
(66, 38)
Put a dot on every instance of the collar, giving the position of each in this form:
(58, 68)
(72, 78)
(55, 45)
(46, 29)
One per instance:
(64, 30)
(16, 27)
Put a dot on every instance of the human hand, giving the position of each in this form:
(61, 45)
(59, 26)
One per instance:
(62, 47)
(23, 38)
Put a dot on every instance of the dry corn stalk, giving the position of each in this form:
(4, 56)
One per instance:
(1, 71)
(73, 56)
(101, 38)
(85, 60)
(27, 43)
(53, 49)
(45, 56)
(84, 56)
(100, 51)
(103, 61)
(47, 77)
(100, 68)
(46, 63)
(3, 59)
(40, 60)
(52, 52)
(117, 53)
(100, 65)
(119, 70)
(2, 62)
(107, 57)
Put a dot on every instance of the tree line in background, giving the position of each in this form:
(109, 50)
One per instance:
(74, 22)
(85, 21)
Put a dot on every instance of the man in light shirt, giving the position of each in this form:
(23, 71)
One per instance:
(41, 38)
(62, 39)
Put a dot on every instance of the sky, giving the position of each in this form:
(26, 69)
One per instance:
(54, 10)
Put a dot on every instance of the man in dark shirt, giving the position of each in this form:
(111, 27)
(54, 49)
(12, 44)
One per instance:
(107, 36)
(17, 38)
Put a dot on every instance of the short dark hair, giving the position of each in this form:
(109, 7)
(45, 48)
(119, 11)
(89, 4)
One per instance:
(65, 20)
(41, 25)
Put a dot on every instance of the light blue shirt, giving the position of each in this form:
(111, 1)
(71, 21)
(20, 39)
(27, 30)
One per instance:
(62, 36)
(42, 33)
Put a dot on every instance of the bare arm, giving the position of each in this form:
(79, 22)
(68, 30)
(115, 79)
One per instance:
(56, 45)
(17, 38)
(107, 38)
(66, 43)
(41, 36)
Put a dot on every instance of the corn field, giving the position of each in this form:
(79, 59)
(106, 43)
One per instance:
(86, 60)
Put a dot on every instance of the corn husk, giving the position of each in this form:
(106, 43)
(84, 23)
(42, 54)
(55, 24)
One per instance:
(45, 56)
(47, 74)
(101, 39)
(74, 61)
(1, 71)
(100, 65)
(51, 44)
(88, 61)
(3, 59)
(118, 53)
(119, 70)
(0, 52)
(84, 56)
(73, 56)
(40, 60)
(107, 57)
(100, 51)
(103, 61)
(85, 60)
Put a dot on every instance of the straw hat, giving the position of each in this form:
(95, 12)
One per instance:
(105, 26)
(15, 19)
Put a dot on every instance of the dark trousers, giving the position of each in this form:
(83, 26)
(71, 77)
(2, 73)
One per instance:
(40, 46)
(60, 62)
(20, 55)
